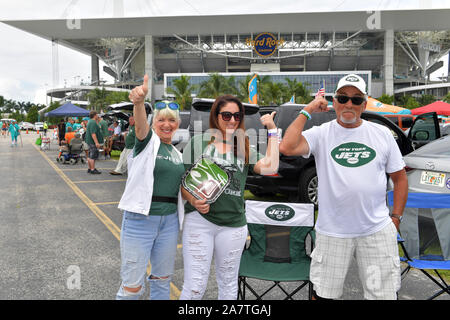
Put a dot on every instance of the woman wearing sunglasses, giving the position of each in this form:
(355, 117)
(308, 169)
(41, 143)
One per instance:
(219, 229)
(152, 203)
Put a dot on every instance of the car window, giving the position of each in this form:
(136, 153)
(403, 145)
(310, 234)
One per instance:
(394, 134)
(185, 118)
(424, 128)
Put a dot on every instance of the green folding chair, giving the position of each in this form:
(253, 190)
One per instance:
(281, 235)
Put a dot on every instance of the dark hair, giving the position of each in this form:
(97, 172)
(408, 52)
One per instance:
(214, 123)
(92, 114)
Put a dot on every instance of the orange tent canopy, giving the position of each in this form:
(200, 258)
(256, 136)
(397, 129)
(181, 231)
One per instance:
(376, 106)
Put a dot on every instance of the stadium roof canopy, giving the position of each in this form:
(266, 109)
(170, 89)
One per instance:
(119, 18)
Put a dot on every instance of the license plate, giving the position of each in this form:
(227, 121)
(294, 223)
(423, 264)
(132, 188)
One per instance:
(436, 179)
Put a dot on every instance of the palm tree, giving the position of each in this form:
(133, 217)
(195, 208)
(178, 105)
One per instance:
(97, 99)
(182, 91)
(217, 85)
(272, 93)
(300, 90)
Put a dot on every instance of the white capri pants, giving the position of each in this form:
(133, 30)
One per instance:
(202, 239)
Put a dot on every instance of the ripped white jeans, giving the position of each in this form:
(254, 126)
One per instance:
(203, 239)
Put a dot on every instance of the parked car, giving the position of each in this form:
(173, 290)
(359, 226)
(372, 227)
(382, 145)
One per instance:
(39, 126)
(297, 176)
(26, 125)
(428, 168)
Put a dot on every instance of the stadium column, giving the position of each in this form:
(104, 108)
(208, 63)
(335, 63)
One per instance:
(150, 65)
(389, 62)
(95, 72)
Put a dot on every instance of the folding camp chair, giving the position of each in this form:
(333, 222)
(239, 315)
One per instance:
(278, 248)
(425, 238)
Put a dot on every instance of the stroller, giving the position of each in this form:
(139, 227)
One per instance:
(72, 152)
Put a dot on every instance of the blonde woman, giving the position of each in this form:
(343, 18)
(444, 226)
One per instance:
(151, 214)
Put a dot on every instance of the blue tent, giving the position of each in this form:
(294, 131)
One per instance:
(68, 110)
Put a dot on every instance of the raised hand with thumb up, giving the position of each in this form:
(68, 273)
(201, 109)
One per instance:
(138, 94)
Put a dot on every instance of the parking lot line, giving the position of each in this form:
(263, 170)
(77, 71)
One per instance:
(105, 203)
(84, 169)
(115, 230)
(95, 181)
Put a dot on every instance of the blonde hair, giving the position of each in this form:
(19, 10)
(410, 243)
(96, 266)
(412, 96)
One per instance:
(167, 113)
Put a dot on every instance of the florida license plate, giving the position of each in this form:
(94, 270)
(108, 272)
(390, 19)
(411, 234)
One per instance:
(430, 178)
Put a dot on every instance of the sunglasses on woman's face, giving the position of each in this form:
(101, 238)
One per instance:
(163, 104)
(226, 116)
(355, 100)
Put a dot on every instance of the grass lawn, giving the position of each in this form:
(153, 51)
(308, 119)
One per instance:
(115, 154)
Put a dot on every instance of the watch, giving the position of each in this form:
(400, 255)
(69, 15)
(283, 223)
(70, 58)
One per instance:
(397, 216)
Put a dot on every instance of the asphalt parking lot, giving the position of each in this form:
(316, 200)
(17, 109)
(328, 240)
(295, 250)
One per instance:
(60, 232)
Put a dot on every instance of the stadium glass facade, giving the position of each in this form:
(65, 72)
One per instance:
(312, 80)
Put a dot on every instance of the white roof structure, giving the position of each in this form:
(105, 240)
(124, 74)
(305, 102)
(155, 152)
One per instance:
(208, 36)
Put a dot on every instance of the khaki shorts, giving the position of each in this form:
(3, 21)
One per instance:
(377, 258)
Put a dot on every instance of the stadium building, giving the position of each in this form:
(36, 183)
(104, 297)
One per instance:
(394, 46)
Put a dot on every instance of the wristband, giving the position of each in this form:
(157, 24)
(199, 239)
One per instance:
(272, 130)
(272, 134)
(306, 114)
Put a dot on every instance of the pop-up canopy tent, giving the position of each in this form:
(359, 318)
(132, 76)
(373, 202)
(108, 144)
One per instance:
(376, 106)
(440, 107)
(68, 110)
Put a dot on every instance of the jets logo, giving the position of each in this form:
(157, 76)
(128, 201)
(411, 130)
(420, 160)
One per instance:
(353, 154)
(279, 212)
(352, 79)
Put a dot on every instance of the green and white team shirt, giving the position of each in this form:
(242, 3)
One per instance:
(351, 168)
(229, 209)
(167, 175)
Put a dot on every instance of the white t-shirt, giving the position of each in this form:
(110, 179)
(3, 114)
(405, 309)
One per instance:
(351, 168)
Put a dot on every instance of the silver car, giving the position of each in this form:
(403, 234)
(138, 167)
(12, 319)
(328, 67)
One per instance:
(428, 168)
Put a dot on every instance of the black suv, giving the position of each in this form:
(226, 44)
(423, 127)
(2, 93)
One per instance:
(297, 176)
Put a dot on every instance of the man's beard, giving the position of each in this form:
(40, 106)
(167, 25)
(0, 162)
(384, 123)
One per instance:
(349, 121)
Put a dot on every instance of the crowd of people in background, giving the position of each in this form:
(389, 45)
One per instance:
(97, 136)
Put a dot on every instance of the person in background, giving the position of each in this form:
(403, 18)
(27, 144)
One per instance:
(130, 137)
(94, 139)
(45, 127)
(104, 128)
(14, 130)
(61, 131)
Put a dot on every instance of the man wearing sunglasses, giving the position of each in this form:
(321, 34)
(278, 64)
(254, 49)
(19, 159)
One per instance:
(353, 158)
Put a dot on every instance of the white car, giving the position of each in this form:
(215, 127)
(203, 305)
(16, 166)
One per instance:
(26, 125)
(39, 126)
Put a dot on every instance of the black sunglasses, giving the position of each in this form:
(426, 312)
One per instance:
(226, 116)
(355, 100)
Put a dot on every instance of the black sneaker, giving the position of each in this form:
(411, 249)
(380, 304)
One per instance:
(89, 171)
(95, 171)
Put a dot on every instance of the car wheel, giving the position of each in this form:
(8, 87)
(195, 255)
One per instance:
(307, 187)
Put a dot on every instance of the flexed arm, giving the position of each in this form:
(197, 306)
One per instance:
(294, 143)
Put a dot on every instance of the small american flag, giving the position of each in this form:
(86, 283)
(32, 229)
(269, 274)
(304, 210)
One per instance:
(321, 91)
